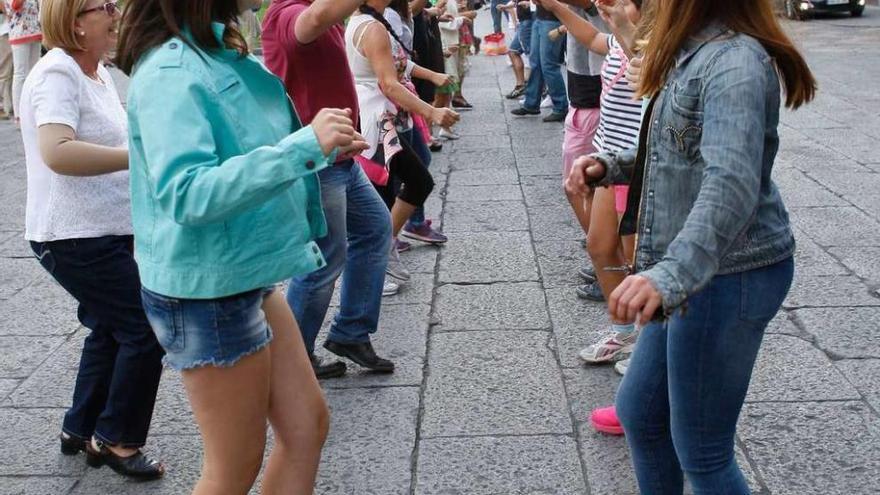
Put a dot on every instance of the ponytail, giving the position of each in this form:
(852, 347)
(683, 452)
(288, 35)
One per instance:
(370, 11)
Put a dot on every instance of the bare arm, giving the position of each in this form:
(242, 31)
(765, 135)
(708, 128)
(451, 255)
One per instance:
(613, 13)
(577, 26)
(321, 16)
(436, 78)
(64, 155)
(377, 48)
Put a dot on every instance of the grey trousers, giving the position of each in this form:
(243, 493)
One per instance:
(5, 74)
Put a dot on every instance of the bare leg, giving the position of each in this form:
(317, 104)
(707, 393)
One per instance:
(519, 69)
(400, 213)
(297, 410)
(603, 242)
(230, 407)
(581, 206)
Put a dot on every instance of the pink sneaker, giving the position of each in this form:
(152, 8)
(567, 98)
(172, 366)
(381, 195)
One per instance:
(605, 420)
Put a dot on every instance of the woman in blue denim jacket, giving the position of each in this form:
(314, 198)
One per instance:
(714, 252)
(225, 204)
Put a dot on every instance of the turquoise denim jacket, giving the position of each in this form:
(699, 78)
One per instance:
(709, 205)
(225, 197)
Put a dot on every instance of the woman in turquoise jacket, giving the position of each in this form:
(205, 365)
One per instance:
(226, 204)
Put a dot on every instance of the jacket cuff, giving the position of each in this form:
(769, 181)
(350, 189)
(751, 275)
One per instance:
(614, 175)
(667, 285)
(304, 152)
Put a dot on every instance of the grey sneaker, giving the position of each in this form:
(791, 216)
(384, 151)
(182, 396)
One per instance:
(391, 288)
(395, 268)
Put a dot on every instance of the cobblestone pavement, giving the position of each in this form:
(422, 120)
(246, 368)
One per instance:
(489, 397)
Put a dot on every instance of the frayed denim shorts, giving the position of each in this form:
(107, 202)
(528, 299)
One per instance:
(208, 332)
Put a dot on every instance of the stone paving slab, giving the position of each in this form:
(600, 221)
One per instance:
(790, 369)
(372, 437)
(844, 332)
(526, 465)
(39, 311)
(509, 192)
(560, 261)
(508, 306)
(489, 257)
(489, 216)
(814, 448)
(29, 444)
(493, 383)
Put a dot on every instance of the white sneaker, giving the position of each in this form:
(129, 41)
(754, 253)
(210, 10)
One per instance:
(546, 102)
(610, 349)
(391, 288)
(395, 268)
(621, 366)
(449, 135)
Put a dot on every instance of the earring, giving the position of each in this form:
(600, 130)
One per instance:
(82, 33)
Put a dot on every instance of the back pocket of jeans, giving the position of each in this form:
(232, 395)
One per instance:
(166, 317)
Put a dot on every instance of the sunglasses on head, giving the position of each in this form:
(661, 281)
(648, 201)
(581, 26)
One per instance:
(111, 8)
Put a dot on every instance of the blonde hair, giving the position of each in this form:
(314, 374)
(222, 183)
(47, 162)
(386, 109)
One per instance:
(58, 18)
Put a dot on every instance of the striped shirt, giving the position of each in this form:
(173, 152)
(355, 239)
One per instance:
(621, 113)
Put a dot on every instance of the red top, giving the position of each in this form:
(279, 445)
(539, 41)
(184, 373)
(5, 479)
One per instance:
(317, 74)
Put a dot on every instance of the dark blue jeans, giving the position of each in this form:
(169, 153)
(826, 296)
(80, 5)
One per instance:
(545, 58)
(121, 361)
(682, 394)
(356, 246)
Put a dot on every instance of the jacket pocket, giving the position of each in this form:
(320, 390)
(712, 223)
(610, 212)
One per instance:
(683, 122)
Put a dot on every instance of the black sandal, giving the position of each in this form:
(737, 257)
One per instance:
(71, 445)
(137, 466)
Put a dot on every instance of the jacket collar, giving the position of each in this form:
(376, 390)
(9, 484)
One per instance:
(695, 42)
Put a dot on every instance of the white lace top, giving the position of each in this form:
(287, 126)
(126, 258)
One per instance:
(64, 207)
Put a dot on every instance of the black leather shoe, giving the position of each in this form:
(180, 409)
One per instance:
(71, 445)
(555, 117)
(362, 354)
(327, 369)
(523, 111)
(591, 292)
(137, 466)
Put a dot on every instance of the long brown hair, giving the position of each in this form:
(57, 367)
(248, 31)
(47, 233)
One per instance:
(678, 20)
(147, 24)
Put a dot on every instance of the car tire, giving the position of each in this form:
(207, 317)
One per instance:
(858, 11)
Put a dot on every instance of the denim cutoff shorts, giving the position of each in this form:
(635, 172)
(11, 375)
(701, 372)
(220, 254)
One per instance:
(208, 332)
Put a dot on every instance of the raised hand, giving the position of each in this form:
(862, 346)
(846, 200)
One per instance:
(334, 128)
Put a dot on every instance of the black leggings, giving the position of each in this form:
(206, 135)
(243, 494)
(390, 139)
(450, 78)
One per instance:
(407, 175)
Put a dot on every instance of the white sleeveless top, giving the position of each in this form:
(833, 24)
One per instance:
(372, 102)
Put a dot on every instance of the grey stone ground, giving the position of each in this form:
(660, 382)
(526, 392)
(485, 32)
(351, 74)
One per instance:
(489, 397)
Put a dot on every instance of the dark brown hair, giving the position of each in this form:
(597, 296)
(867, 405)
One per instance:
(147, 24)
(402, 8)
(678, 20)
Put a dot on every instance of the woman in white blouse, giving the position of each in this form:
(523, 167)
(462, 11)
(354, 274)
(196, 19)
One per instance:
(78, 221)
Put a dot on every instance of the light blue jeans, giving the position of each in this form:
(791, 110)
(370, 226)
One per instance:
(546, 62)
(357, 246)
(683, 391)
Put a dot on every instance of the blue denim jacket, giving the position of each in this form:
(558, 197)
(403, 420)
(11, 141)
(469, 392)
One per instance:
(708, 204)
